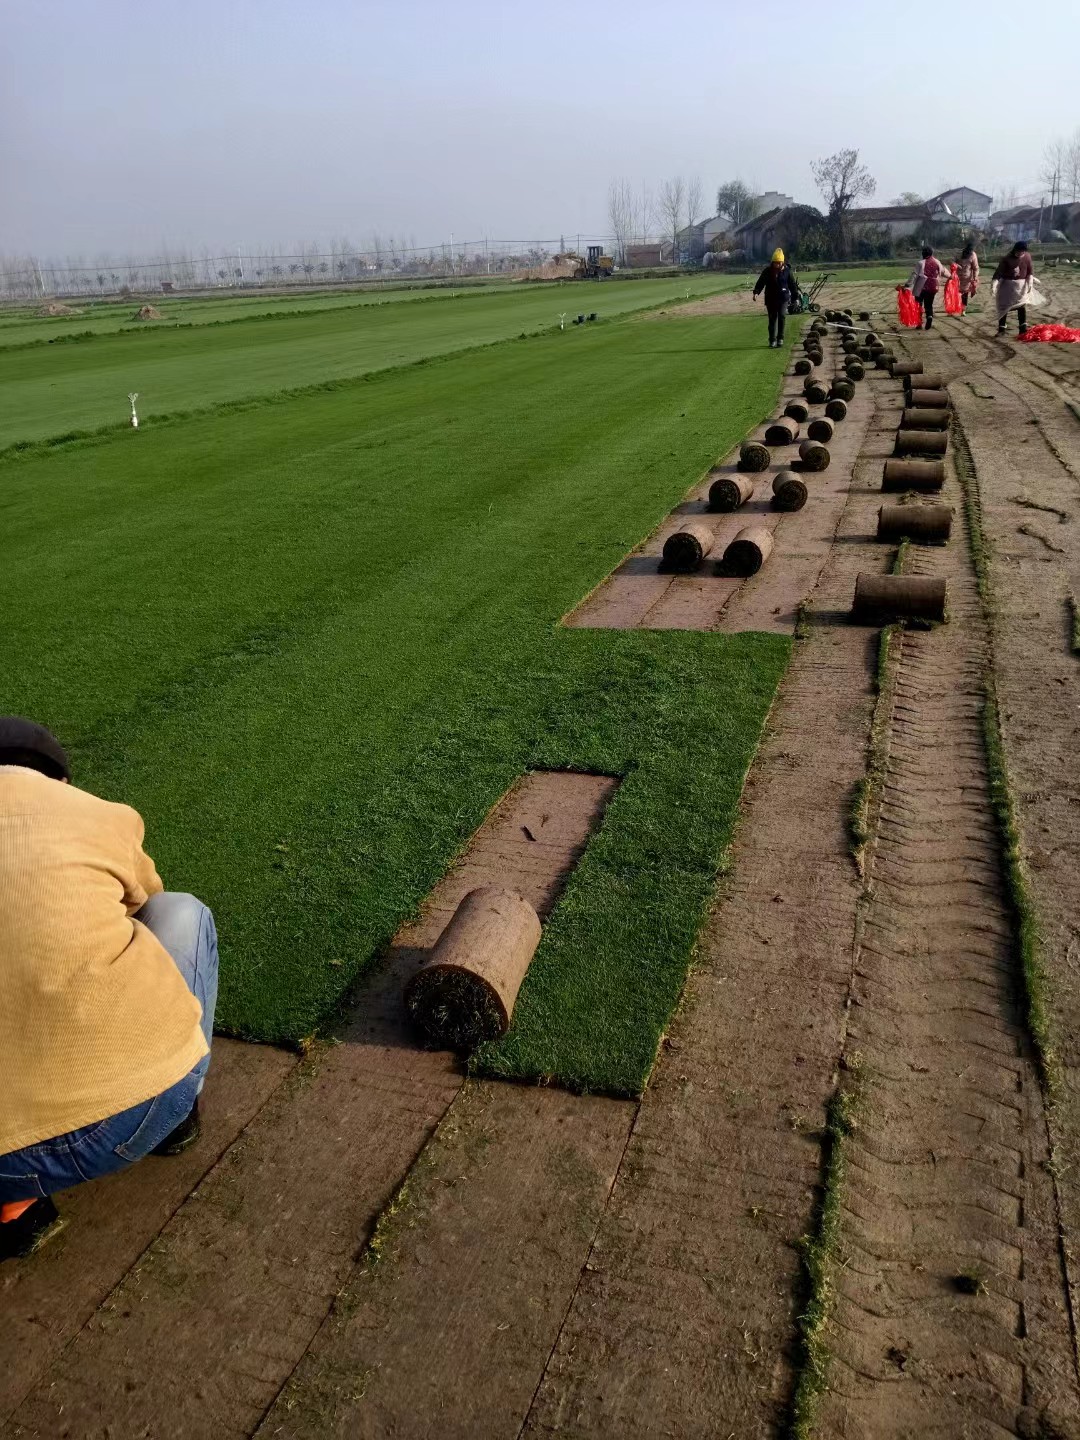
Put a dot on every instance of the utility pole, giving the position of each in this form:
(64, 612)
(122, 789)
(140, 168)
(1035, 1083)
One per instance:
(1042, 204)
(240, 264)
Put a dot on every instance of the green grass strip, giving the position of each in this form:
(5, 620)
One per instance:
(314, 641)
(820, 1252)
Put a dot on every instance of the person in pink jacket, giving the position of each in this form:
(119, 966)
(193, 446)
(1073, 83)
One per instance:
(926, 280)
(968, 266)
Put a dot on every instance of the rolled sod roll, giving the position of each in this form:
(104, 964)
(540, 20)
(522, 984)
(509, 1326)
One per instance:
(842, 390)
(900, 597)
(687, 548)
(922, 442)
(907, 367)
(815, 357)
(782, 432)
(925, 382)
(925, 476)
(864, 314)
(796, 410)
(848, 310)
(748, 551)
(803, 367)
(465, 993)
(789, 492)
(813, 455)
(816, 392)
(865, 353)
(729, 492)
(754, 456)
(917, 418)
(914, 522)
(883, 360)
(849, 344)
(854, 370)
(820, 429)
(929, 399)
(836, 409)
(870, 338)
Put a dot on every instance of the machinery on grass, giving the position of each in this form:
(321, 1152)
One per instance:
(595, 266)
(807, 299)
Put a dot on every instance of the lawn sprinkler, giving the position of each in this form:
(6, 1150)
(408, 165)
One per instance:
(562, 321)
(134, 417)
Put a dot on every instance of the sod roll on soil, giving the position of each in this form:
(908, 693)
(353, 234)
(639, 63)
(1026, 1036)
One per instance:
(842, 390)
(916, 418)
(820, 429)
(797, 411)
(922, 475)
(914, 522)
(748, 551)
(907, 367)
(925, 382)
(836, 409)
(816, 393)
(899, 597)
(465, 993)
(754, 456)
(928, 399)
(687, 548)
(813, 455)
(782, 432)
(789, 492)
(855, 370)
(729, 492)
(922, 442)
(803, 367)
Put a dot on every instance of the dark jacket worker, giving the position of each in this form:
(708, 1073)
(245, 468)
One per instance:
(780, 287)
(107, 990)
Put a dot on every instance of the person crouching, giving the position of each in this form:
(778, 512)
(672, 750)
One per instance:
(107, 990)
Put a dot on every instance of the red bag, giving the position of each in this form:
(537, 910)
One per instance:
(908, 308)
(1054, 333)
(953, 304)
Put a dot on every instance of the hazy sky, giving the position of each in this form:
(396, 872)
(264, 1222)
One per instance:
(228, 122)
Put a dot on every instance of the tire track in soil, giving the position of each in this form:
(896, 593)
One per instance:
(948, 1187)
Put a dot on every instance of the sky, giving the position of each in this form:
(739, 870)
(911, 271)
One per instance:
(224, 123)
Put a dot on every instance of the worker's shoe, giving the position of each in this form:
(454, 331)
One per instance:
(37, 1224)
(184, 1136)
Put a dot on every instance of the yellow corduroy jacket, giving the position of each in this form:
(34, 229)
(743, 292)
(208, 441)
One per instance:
(94, 1015)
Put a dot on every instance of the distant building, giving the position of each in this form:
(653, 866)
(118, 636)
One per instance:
(694, 240)
(773, 200)
(969, 207)
(640, 257)
(899, 222)
(759, 237)
(1027, 222)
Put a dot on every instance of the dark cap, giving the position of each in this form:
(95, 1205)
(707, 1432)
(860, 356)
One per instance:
(33, 739)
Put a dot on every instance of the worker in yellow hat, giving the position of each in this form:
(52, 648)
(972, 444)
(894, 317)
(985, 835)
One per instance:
(780, 288)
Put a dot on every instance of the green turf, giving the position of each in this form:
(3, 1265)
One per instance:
(313, 642)
(52, 389)
(24, 325)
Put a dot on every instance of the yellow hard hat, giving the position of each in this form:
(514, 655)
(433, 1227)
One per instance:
(778, 256)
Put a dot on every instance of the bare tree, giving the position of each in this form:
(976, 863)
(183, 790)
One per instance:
(672, 200)
(737, 200)
(621, 205)
(909, 197)
(695, 201)
(1055, 163)
(842, 181)
(1071, 174)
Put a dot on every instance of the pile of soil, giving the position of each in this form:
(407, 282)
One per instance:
(559, 267)
(147, 312)
(55, 307)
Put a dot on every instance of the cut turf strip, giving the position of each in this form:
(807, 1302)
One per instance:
(265, 1242)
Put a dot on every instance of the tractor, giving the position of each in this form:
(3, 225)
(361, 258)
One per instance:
(595, 266)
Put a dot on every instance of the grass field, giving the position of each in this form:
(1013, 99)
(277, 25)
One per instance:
(314, 640)
(51, 390)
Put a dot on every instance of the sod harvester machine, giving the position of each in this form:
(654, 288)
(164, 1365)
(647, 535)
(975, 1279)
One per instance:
(807, 299)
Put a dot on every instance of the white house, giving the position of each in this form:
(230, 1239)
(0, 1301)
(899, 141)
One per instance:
(970, 207)
(772, 200)
(694, 240)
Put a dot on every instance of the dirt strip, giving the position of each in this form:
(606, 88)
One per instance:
(952, 1312)
(210, 1321)
(640, 595)
(684, 1319)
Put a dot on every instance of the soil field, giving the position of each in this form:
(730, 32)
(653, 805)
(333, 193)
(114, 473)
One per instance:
(54, 389)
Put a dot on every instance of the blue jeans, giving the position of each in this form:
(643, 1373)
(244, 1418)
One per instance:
(185, 928)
